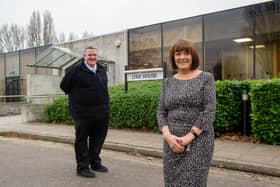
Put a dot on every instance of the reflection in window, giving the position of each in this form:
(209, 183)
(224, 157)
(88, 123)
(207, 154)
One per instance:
(227, 37)
(145, 47)
(12, 68)
(268, 40)
(239, 44)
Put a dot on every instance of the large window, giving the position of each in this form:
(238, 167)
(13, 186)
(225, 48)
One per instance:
(236, 44)
(145, 47)
(188, 29)
(2, 75)
(267, 62)
(228, 37)
(12, 66)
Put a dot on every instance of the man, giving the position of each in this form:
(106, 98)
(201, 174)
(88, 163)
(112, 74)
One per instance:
(86, 85)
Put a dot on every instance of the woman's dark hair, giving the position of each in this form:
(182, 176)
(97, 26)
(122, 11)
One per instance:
(184, 45)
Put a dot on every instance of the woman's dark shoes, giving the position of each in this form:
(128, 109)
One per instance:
(99, 168)
(86, 173)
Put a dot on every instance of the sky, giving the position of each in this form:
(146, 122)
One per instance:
(100, 17)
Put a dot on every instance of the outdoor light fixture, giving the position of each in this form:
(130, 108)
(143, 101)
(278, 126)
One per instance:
(257, 46)
(117, 43)
(242, 40)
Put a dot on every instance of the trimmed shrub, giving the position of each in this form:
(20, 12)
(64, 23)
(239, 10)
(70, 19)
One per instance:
(136, 108)
(58, 111)
(228, 110)
(265, 106)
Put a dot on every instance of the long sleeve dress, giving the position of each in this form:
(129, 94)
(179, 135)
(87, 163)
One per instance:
(183, 104)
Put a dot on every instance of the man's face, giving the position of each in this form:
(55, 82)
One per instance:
(90, 56)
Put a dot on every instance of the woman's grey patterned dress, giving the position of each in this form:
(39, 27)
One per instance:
(184, 103)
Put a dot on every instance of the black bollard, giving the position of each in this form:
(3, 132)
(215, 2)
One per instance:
(245, 111)
(125, 79)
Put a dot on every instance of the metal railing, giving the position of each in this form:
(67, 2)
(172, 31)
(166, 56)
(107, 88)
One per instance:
(27, 99)
(30, 99)
(12, 98)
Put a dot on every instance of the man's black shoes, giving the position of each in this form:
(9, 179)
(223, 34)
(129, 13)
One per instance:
(89, 173)
(86, 173)
(99, 168)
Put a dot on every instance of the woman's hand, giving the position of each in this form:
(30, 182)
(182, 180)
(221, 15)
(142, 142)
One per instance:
(185, 140)
(173, 143)
(172, 140)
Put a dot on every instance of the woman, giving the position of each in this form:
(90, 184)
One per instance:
(185, 115)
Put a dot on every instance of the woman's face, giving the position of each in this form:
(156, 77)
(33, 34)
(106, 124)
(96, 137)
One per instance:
(183, 60)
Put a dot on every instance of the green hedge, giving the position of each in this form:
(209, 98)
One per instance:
(137, 108)
(228, 106)
(265, 106)
(57, 111)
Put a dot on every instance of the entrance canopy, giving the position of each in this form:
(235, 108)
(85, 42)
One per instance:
(55, 58)
(58, 57)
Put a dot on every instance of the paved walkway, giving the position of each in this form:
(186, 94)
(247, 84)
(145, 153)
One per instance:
(256, 158)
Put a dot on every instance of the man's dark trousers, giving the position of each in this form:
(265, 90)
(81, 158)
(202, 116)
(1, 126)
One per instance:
(90, 137)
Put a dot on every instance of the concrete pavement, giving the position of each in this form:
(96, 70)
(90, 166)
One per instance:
(255, 158)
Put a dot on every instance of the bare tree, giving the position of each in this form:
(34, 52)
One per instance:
(72, 36)
(34, 30)
(49, 35)
(86, 34)
(15, 37)
(61, 37)
(5, 37)
(18, 36)
(12, 37)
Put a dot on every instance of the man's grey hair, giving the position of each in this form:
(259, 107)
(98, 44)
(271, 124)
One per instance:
(89, 47)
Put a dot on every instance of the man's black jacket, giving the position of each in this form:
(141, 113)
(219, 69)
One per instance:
(88, 92)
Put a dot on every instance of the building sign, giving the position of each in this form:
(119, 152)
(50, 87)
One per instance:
(144, 74)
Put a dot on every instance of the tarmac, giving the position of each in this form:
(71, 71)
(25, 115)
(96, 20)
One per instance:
(242, 156)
